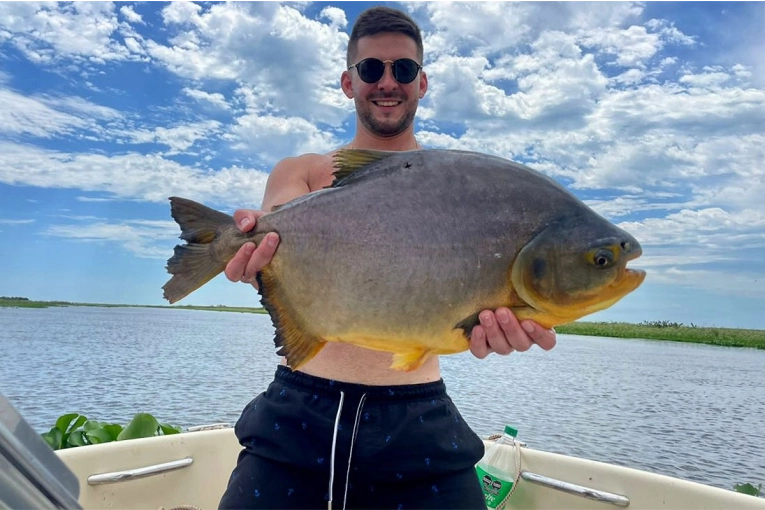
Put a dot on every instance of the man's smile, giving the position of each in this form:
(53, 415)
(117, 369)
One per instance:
(386, 103)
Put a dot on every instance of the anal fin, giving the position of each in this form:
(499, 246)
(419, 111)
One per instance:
(410, 360)
(297, 346)
(293, 341)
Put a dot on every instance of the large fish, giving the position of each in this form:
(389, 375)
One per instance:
(404, 250)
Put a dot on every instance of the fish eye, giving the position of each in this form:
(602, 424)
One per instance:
(603, 258)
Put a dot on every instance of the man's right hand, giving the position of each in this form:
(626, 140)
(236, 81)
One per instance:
(250, 259)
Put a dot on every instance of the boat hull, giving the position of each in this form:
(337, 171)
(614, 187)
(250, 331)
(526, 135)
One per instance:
(201, 482)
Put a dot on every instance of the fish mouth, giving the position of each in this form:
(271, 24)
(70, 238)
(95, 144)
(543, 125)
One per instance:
(632, 277)
(629, 280)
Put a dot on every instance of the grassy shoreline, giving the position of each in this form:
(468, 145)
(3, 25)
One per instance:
(728, 337)
(24, 303)
(664, 330)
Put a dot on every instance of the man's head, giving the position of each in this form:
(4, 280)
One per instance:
(384, 76)
(382, 20)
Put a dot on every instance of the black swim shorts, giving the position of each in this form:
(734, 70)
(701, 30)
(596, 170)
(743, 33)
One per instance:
(310, 441)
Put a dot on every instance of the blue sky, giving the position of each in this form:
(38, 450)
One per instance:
(653, 113)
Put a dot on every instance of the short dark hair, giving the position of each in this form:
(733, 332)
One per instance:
(377, 20)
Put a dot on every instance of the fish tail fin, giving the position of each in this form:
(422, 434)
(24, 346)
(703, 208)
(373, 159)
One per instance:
(294, 342)
(194, 264)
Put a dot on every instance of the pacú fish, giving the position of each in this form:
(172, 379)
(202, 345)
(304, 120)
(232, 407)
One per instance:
(404, 249)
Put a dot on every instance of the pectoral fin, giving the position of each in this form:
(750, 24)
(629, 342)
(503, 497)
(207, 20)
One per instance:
(544, 319)
(468, 323)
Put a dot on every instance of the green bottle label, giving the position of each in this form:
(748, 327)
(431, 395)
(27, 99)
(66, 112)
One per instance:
(495, 490)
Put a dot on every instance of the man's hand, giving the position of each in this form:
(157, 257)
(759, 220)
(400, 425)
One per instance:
(501, 332)
(250, 259)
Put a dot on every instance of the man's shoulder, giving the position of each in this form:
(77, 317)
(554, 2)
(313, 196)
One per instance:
(315, 169)
(306, 162)
(309, 158)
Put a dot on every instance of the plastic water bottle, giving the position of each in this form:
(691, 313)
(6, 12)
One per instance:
(496, 470)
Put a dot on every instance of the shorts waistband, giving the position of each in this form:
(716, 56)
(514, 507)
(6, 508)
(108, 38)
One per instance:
(330, 387)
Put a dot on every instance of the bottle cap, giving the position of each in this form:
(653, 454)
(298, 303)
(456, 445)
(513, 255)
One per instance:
(510, 431)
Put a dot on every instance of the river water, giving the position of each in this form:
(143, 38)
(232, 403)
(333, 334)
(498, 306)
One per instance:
(685, 410)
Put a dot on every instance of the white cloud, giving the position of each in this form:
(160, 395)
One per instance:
(298, 74)
(711, 227)
(273, 138)
(139, 237)
(129, 13)
(134, 45)
(485, 26)
(630, 77)
(182, 13)
(94, 199)
(179, 138)
(709, 249)
(704, 242)
(21, 114)
(81, 107)
(130, 176)
(216, 99)
(626, 205)
(48, 32)
(15, 222)
(335, 16)
(741, 283)
(555, 81)
(488, 28)
(632, 46)
(670, 32)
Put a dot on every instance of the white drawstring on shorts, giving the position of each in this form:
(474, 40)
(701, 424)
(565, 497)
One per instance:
(350, 453)
(334, 446)
(353, 441)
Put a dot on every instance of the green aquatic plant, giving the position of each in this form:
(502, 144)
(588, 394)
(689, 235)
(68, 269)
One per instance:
(74, 429)
(748, 488)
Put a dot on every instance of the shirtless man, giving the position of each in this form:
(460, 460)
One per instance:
(346, 426)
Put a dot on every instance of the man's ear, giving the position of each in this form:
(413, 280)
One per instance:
(346, 84)
(423, 84)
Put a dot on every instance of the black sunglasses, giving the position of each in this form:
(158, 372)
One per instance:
(372, 69)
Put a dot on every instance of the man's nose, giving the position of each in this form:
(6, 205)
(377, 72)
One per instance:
(387, 82)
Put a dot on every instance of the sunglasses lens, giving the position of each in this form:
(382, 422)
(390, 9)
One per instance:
(371, 69)
(405, 70)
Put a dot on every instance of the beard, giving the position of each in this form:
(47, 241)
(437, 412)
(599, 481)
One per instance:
(385, 127)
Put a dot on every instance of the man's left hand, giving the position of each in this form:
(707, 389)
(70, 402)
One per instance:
(500, 332)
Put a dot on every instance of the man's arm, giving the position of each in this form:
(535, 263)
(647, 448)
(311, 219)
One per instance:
(286, 182)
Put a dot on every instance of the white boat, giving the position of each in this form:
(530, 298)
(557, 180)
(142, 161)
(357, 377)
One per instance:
(192, 469)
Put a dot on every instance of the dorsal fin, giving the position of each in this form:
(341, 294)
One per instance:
(348, 161)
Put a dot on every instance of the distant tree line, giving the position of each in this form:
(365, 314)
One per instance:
(667, 324)
(6, 298)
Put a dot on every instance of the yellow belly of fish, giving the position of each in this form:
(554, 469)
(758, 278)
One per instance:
(408, 353)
